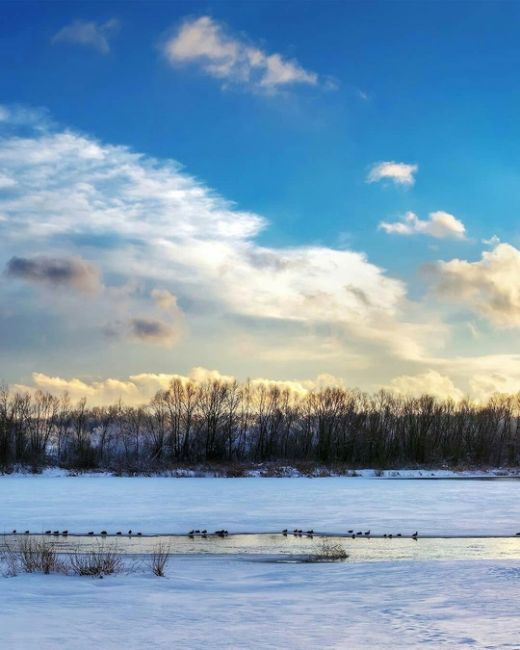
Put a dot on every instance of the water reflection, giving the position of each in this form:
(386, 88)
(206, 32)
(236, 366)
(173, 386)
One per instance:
(361, 549)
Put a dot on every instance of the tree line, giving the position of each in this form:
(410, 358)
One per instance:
(228, 422)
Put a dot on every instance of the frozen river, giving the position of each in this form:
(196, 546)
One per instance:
(330, 505)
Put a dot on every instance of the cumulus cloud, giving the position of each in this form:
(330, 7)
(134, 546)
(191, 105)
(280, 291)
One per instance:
(489, 287)
(71, 272)
(441, 225)
(481, 376)
(396, 172)
(90, 34)
(207, 44)
(155, 331)
(165, 299)
(430, 382)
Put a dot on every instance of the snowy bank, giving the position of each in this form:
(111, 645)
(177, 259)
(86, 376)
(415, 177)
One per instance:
(231, 603)
(273, 470)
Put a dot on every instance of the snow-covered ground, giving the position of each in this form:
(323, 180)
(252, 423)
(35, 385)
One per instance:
(229, 602)
(166, 505)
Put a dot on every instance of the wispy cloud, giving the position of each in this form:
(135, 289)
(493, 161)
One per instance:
(208, 45)
(440, 224)
(90, 34)
(396, 172)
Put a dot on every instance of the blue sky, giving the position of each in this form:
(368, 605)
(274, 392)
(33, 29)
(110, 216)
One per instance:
(287, 110)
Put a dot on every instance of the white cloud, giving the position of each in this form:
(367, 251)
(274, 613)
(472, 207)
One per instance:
(6, 182)
(87, 33)
(441, 225)
(492, 241)
(207, 44)
(398, 173)
(172, 230)
(162, 239)
(489, 287)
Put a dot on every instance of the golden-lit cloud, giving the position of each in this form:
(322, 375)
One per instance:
(427, 383)
(490, 287)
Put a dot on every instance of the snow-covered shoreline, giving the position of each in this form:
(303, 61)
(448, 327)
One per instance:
(281, 471)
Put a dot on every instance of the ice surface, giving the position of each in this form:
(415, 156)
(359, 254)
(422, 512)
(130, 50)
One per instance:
(168, 505)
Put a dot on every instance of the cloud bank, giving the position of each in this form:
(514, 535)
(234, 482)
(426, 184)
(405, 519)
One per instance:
(180, 262)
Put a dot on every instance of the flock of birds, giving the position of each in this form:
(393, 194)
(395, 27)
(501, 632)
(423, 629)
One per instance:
(366, 534)
(65, 533)
(204, 533)
(297, 532)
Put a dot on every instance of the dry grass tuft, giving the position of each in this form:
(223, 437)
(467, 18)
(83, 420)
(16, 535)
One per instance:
(100, 561)
(159, 559)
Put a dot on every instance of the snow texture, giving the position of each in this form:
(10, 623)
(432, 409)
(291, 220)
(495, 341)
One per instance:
(232, 603)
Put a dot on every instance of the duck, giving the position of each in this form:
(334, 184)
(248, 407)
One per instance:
(118, 532)
(350, 532)
(367, 533)
(130, 532)
(284, 532)
(415, 535)
(90, 533)
(47, 532)
(65, 533)
(103, 533)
